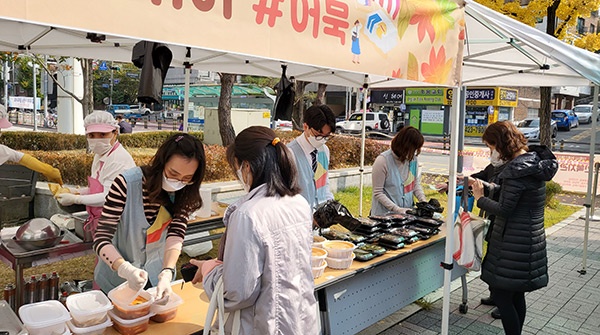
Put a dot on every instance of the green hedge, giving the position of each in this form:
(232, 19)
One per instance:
(75, 163)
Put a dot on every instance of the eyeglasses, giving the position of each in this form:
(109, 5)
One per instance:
(319, 137)
(175, 180)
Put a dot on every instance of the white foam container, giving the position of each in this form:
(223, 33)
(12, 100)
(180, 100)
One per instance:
(130, 327)
(92, 330)
(318, 241)
(318, 271)
(317, 260)
(46, 317)
(339, 264)
(164, 312)
(88, 308)
(340, 253)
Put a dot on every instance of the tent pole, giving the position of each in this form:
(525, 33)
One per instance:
(448, 261)
(362, 147)
(588, 198)
(186, 90)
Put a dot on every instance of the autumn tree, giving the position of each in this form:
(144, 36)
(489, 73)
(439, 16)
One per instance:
(561, 15)
(224, 110)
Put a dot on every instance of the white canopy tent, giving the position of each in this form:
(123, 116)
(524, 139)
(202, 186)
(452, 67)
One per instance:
(497, 51)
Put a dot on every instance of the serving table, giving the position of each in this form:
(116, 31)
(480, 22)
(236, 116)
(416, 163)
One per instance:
(349, 300)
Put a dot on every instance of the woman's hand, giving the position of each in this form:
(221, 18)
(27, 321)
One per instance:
(477, 186)
(198, 276)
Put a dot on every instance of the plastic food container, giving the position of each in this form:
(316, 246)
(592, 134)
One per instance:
(318, 255)
(88, 308)
(339, 249)
(339, 263)
(123, 294)
(130, 327)
(164, 313)
(318, 271)
(318, 241)
(92, 330)
(132, 311)
(46, 317)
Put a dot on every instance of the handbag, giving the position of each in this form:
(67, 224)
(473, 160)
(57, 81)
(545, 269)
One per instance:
(217, 305)
(468, 232)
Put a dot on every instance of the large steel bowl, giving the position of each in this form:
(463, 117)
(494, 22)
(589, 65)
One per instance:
(37, 229)
(41, 243)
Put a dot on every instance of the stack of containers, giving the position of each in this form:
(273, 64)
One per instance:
(131, 312)
(164, 312)
(46, 317)
(318, 262)
(339, 254)
(89, 312)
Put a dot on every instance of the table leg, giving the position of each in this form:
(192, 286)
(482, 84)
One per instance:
(19, 286)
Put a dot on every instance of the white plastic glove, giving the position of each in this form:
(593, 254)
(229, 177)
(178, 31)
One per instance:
(163, 289)
(136, 278)
(68, 199)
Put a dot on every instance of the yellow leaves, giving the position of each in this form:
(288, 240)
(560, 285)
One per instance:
(590, 42)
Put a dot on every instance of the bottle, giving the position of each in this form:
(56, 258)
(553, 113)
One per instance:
(53, 286)
(31, 294)
(9, 295)
(43, 288)
(63, 298)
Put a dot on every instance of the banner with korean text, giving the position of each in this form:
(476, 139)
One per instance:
(418, 40)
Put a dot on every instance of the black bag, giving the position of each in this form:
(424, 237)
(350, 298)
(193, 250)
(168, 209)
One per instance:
(332, 212)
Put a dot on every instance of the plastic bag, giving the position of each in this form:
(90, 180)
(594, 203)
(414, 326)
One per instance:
(332, 212)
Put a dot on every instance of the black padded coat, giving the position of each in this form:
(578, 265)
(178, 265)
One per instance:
(516, 255)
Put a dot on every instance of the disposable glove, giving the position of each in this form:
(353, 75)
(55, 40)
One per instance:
(136, 278)
(163, 289)
(68, 199)
(52, 174)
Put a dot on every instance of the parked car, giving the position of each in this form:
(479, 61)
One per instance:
(584, 113)
(375, 121)
(531, 128)
(565, 118)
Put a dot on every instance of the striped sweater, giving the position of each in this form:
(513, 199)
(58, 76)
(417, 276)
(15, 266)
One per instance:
(111, 214)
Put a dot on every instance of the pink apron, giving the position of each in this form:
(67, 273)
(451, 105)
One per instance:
(95, 187)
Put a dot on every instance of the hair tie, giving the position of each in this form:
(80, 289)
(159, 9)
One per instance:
(275, 141)
(179, 138)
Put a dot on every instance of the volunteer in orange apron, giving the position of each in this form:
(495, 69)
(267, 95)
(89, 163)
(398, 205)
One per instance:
(110, 160)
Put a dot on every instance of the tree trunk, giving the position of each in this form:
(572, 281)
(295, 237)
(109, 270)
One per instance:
(88, 86)
(224, 110)
(320, 100)
(545, 116)
(546, 92)
(298, 110)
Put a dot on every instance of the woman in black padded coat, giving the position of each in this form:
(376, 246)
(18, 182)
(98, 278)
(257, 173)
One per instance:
(516, 261)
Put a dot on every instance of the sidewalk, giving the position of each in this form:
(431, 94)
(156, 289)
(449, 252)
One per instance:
(570, 304)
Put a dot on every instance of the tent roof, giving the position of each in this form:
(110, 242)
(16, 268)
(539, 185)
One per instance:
(215, 91)
(498, 51)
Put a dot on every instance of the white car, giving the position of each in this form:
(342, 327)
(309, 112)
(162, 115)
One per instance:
(584, 113)
(375, 121)
(531, 128)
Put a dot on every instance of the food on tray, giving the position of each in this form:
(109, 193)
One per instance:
(362, 255)
(393, 246)
(335, 235)
(355, 238)
(373, 248)
(391, 239)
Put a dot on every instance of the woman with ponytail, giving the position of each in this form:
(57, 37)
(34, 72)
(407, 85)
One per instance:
(264, 256)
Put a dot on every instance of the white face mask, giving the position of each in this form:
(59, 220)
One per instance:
(241, 178)
(99, 146)
(172, 186)
(316, 143)
(495, 159)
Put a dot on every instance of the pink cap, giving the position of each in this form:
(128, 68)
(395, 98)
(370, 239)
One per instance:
(100, 122)
(99, 128)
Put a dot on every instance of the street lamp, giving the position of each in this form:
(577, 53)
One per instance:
(35, 67)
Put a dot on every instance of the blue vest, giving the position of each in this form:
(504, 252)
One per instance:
(306, 176)
(393, 186)
(130, 238)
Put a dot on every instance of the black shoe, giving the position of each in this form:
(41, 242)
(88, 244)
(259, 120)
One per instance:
(488, 301)
(496, 313)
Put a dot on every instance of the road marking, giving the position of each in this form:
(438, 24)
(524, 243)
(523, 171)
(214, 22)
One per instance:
(582, 135)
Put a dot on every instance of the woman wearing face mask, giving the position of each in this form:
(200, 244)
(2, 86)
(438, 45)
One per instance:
(264, 256)
(110, 159)
(144, 219)
(396, 177)
(516, 260)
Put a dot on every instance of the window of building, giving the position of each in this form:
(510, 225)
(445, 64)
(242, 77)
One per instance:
(580, 26)
(592, 29)
(532, 112)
